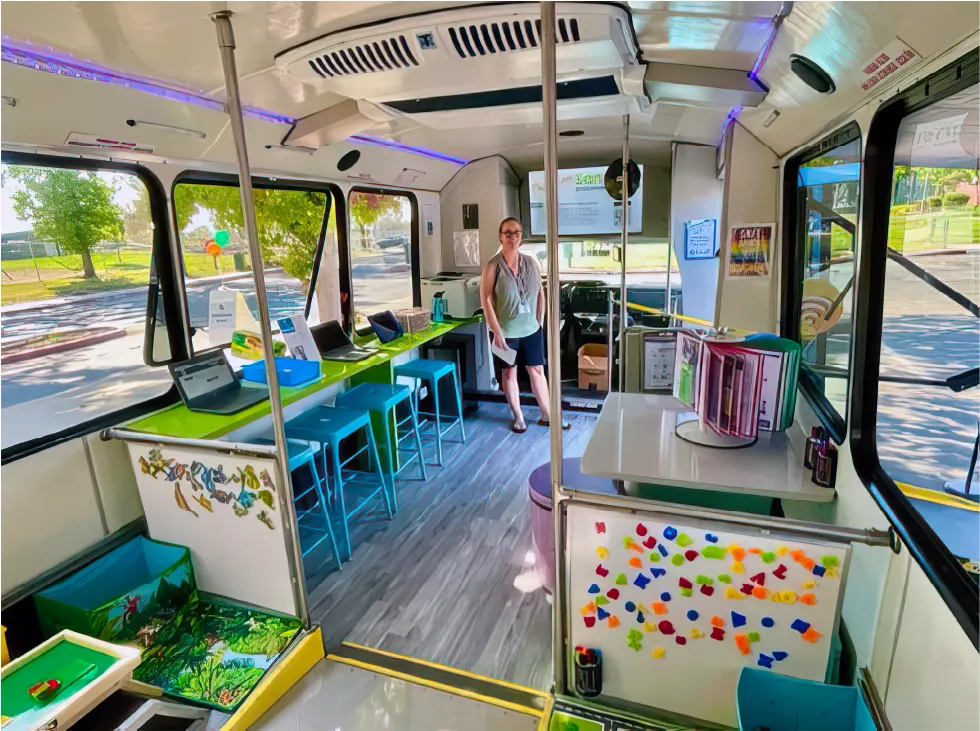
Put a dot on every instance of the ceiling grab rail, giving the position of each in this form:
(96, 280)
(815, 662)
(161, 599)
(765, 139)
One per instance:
(549, 87)
(226, 43)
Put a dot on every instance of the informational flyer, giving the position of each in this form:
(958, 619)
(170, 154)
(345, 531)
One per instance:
(299, 339)
(584, 206)
(749, 246)
(699, 241)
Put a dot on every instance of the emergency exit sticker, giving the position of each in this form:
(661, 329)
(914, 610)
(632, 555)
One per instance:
(891, 59)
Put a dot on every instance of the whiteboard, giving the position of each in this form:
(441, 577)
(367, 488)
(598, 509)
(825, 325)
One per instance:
(226, 510)
(698, 678)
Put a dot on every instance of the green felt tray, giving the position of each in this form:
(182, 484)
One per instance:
(14, 698)
(179, 421)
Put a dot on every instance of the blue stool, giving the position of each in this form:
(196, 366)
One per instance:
(329, 426)
(301, 454)
(382, 401)
(432, 371)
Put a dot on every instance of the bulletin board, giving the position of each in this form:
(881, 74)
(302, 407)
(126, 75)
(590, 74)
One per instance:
(678, 610)
(226, 510)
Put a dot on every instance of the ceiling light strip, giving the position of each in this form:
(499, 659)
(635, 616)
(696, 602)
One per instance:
(411, 149)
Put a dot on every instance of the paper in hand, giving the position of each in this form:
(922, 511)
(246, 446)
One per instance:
(503, 351)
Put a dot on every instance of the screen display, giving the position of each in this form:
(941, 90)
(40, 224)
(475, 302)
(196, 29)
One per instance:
(584, 206)
(198, 379)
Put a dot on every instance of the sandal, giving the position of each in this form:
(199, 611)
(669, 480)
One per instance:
(565, 426)
(518, 427)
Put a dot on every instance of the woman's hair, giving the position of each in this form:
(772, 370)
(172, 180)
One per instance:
(500, 228)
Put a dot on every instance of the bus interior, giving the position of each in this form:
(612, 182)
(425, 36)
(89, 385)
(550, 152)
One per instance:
(751, 495)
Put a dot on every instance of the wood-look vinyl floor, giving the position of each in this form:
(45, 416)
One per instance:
(451, 578)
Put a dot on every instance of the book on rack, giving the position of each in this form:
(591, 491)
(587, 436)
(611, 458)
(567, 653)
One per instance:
(737, 386)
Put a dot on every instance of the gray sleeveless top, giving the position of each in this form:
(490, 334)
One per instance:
(515, 298)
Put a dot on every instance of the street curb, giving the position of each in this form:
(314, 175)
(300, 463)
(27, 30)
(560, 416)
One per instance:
(62, 347)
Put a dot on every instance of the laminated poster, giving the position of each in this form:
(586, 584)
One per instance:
(749, 247)
(466, 248)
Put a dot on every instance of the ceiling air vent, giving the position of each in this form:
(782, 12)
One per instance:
(385, 54)
(471, 41)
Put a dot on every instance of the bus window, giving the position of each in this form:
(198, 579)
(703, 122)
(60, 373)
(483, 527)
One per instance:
(217, 263)
(823, 226)
(927, 428)
(383, 253)
(77, 259)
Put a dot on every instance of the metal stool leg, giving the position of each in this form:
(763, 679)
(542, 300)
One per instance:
(435, 396)
(377, 461)
(459, 405)
(390, 454)
(318, 483)
(339, 487)
(418, 438)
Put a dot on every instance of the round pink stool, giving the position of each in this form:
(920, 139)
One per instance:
(542, 526)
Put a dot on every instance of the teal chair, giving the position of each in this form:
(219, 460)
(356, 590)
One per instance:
(383, 401)
(328, 426)
(302, 454)
(431, 372)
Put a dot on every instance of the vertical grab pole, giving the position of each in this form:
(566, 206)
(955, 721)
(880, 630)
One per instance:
(226, 42)
(610, 340)
(549, 85)
(625, 235)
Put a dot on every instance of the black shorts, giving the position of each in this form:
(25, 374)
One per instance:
(530, 350)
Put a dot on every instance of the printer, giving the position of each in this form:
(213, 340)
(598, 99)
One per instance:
(461, 291)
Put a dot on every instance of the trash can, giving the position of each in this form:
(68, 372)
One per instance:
(542, 526)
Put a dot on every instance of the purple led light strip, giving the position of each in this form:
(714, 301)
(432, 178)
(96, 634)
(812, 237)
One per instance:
(423, 152)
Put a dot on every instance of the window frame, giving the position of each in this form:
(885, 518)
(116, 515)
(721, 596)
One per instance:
(347, 273)
(793, 233)
(954, 585)
(162, 266)
(203, 177)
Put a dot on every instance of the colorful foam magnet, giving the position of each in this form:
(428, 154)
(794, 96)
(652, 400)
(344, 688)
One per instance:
(659, 608)
(630, 607)
(602, 552)
(833, 574)
(650, 542)
(797, 555)
(635, 640)
(687, 592)
(819, 570)
(594, 589)
(588, 608)
(747, 588)
(738, 553)
(784, 597)
(756, 551)
(665, 627)
(684, 540)
(692, 614)
(707, 589)
(613, 622)
(663, 549)
(589, 622)
(760, 592)
(809, 599)
(830, 562)
(621, 579)
(658, 652)
(702, 579)
(684, 583)
(680, 640)
(742, 642)
(724, 578)
(780, 571)
(811, 635)
(601, 600)
(800, 626)
(657, 573)
(809, 564)
(759, 579)
(768, 557)
(754, 637)
(654, 557)
(768, 622)
(695, 634)
(690, 554)
(677, 559)
(602, 570)
(640, 618)
(602, 614)
(600, 527)
(641, 581)
(670, 533)
(641, 530)
(635, 562)
(718, 633)
(649, 627)
(717, 622)
(732, 593)
(613, 593)
(782, 550)
(765, 661)
(715, 552)
(811, 584)
(737, 567)
(634, 546)
(779, 655)
(710, 538)
(738, 620)
(628, 541)
(665, 597)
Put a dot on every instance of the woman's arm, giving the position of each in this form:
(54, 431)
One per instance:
(486, 301)
(542, 304)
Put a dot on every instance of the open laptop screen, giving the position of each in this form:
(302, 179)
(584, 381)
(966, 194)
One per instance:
(329, 336)
(199, 377)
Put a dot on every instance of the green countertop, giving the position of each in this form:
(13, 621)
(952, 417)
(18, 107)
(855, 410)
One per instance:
(179, 421)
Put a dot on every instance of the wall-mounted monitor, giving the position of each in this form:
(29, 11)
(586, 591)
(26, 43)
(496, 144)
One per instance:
(584, 206)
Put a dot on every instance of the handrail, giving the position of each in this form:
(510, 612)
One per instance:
(682, 318)
(252, 450)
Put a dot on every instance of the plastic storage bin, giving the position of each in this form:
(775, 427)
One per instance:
(292, 372)
(114, 597)
(771, 702)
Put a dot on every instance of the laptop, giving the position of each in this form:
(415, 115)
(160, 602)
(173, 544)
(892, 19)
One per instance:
(207, 383)
(334, 344)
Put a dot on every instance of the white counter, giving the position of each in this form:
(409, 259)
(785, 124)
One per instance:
(634, 441)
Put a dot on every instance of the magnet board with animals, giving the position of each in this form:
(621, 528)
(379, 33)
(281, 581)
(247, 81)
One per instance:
(226, 510)
(677, 611)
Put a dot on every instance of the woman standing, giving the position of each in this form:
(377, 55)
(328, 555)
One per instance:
(513, 303)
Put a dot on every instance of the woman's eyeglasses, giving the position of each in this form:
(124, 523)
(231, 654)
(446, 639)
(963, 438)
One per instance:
(511, 233)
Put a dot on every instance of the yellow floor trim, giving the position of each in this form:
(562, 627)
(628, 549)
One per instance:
(461, 692)
(935, 496)
(456, 671)
(292, 666)
(544, 724)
